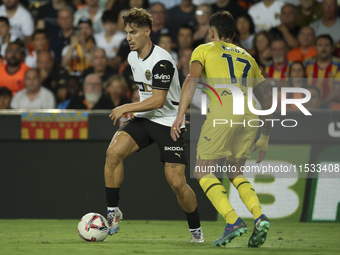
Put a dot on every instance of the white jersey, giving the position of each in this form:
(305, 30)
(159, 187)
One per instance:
(111, 48)
(157, 71)
(265, 18)
(22, 23)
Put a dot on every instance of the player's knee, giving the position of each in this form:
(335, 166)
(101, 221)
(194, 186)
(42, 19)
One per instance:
(114, 155)
(177, 184)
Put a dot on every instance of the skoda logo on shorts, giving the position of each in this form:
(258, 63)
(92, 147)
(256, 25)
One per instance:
(147, 74)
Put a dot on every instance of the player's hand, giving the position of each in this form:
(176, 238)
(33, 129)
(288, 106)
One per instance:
(262, 154)
(116, 114)
(176, 128)
(261, 144)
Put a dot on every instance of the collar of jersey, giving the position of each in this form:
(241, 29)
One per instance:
(153, 46)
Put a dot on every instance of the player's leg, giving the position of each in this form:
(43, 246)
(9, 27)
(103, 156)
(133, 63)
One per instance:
(173, 155)
(213, 145)
(249, 197)
(120, 147)
(175, 175)
(214, 190)
(244, 187)
(217, 194)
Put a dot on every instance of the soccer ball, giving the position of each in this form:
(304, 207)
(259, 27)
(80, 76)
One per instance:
(93, 227)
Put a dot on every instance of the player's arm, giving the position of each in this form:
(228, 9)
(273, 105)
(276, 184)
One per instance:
(162, 75)
(261, 92)
(195, 71)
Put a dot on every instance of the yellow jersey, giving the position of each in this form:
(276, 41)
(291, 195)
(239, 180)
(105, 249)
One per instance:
(232, 65)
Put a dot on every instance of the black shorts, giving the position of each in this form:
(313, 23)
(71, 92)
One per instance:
(145, 132)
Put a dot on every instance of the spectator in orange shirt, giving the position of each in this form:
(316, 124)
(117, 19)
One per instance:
(306, 50)
(12, 74)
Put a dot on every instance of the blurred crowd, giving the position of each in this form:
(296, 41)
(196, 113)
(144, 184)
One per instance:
(72, 54)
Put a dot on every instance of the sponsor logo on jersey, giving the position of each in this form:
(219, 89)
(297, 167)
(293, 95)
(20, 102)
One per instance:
(148, 75)
(162, 76)
(178, 148)
(163, 66)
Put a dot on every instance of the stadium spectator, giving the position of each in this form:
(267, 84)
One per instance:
(262, 42)
(279, 67)
(203, 15)
(34, 96)
(288, 29)
(62, 38)
(13, 72)
(185, 37)
(183, 14)
(297, 75)
(323, 67)
(306, 50)
(168, 4)
(183, 67)
(330, 22)
(337, 49)
(73, 90)
(93, 12)
(119, 5)
(308, 12)
(110, 39)
(262, 68)
(40, 42)
(77, 55)
(52, 76)
(47, 17)
(5, 35)
(5, 98)
(159, 14)
(315, 100)
(246, 31)
(93, 97)
(98, 66)
(116, 89)
(266, 14)
(297, 79)
(19, 18)
(228, 5)
(165, 41)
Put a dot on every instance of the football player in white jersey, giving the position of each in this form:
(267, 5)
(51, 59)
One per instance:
(156, 76)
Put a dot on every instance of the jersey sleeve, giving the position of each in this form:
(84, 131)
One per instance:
(162, 74)
(198, 55)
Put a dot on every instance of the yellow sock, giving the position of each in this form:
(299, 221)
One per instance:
(217, 195)
(248, 195)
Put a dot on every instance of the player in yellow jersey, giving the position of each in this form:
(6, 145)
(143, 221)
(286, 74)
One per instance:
(221, 59)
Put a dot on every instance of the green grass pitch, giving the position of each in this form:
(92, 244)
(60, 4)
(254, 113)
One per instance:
(60, 237)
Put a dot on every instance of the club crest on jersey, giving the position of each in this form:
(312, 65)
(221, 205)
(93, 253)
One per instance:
(143, 87)
(148, 75)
